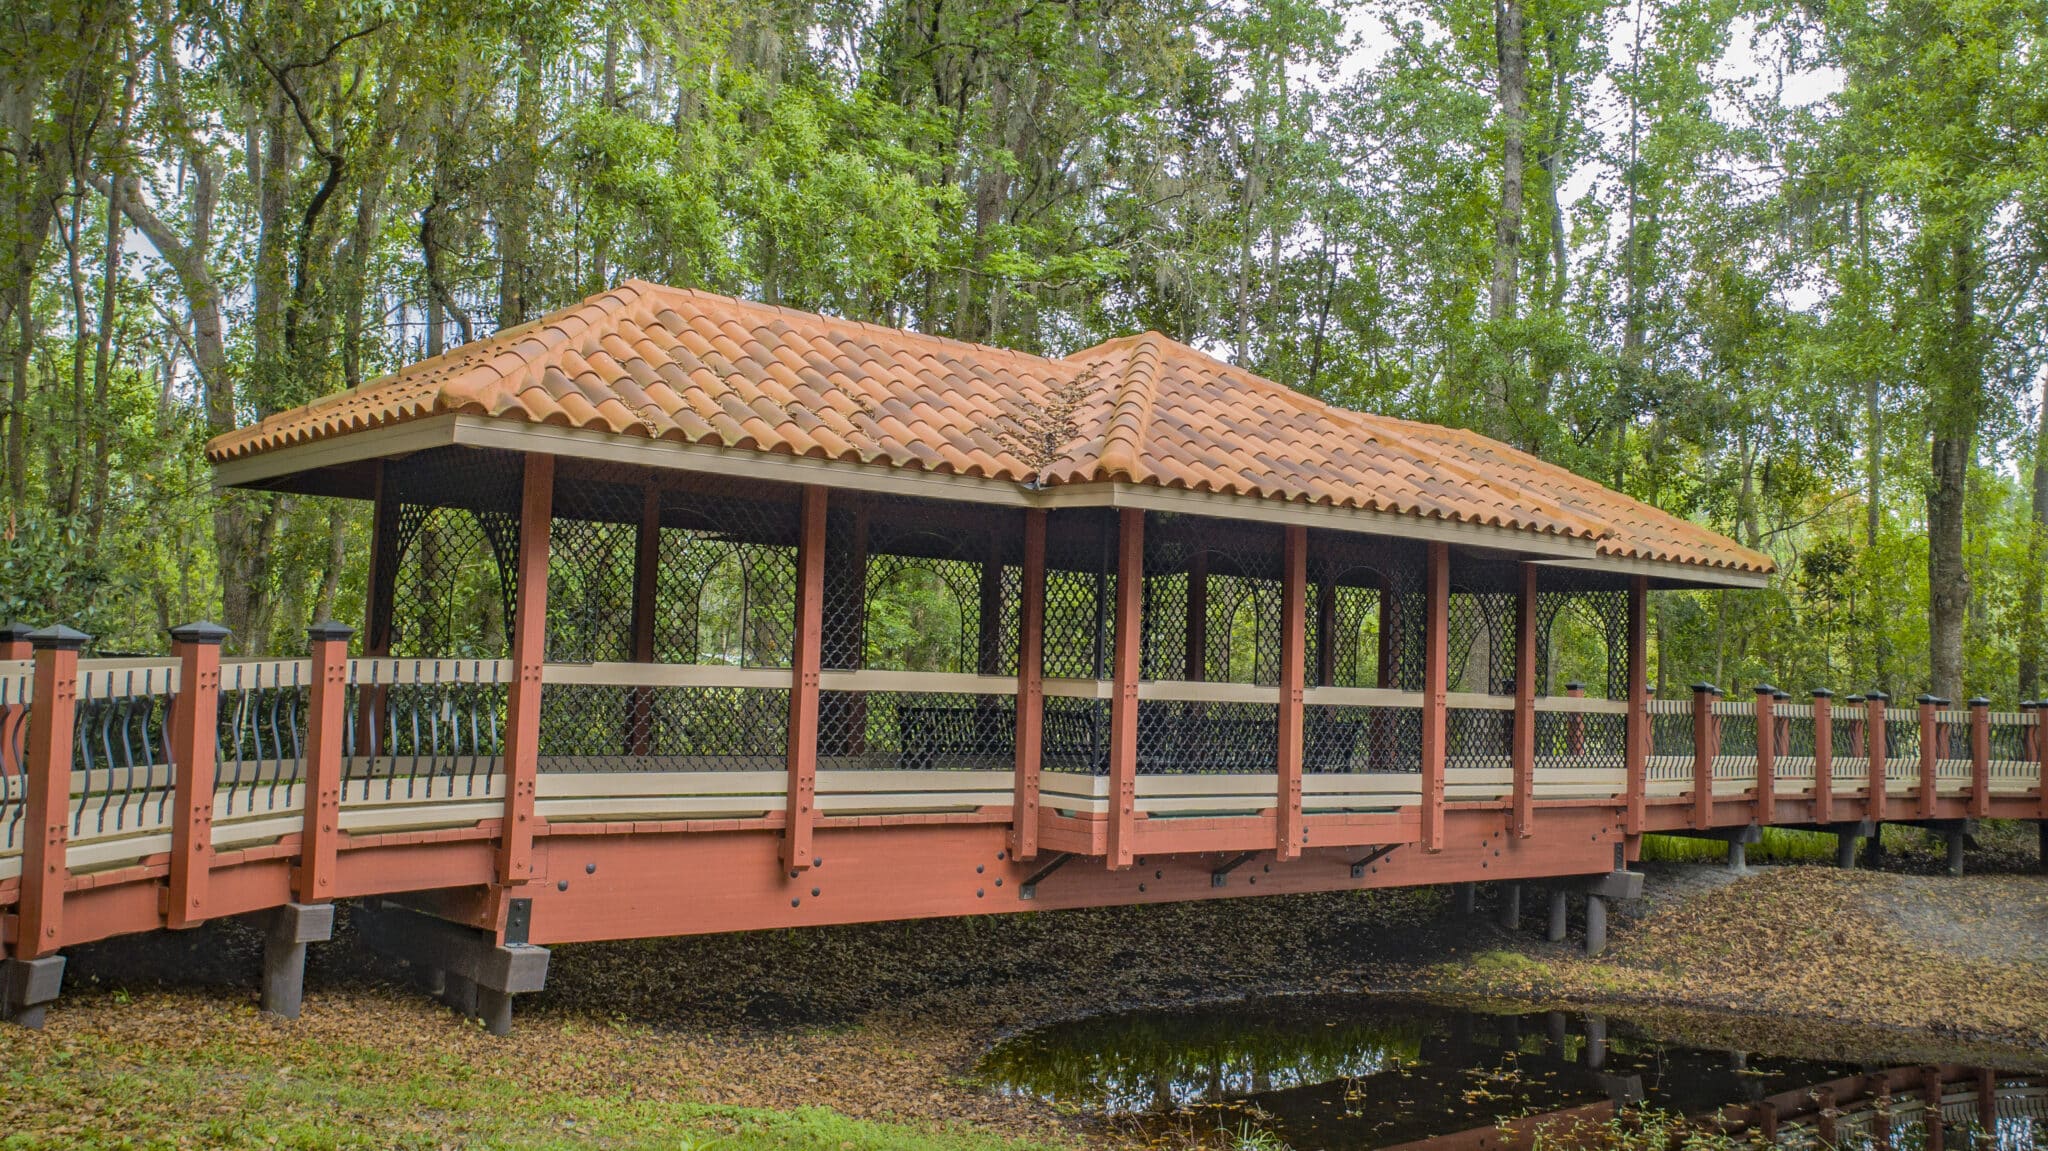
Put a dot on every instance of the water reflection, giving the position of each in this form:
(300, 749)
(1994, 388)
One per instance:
(1358, 1074)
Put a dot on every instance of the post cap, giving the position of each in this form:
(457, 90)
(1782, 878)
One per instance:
(327, 629)
(1766, 689)
(1781, 693)
(16, 632)
(2026, 705)
(1928, 698)
(1821, 693)
(1707, 687)
(58, 638)
(1877, 695)
(1978, 701)
(1852, 699)
(201, 631)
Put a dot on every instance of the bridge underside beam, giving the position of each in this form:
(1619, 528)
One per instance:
(467, 967)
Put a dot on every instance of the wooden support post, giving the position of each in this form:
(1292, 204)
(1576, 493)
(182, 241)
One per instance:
(1703, 748)
(1987, 1106)
(1030, 688)
(1523, 816)
(46, 835)
(1823, 755)
(1575, 723)
(529, 651)
(1980, 758)
(1293, 673)
(1195, 664)
(800, 807)
(326, 716)
(380, 606)
(1436, 671)
(988, 647)
(1933, 1130)
(2040, 758)
(646, 590)
(1326, 630)
(1123, 704)
(1766, 753)
(195, 734)
(1931, 734)
(1638, 740)
(1874, 749)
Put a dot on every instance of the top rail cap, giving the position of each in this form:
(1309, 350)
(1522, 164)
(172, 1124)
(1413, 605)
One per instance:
(58, 638)
(328, 629)
(200, 631)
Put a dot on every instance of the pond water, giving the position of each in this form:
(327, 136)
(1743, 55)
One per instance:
(1359, 1073)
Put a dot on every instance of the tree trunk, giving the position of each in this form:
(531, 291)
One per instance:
(1958, 399)
(1509, 29)
(2037, 535)
(515, 231)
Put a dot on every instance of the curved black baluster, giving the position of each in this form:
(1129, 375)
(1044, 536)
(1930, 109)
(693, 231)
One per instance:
(295, 727)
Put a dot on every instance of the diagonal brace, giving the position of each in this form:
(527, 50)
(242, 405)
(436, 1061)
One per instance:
(1029, 888)
(1358, 866)
(1221, 876)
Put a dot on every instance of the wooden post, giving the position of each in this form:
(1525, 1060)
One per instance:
(1436, 672)
(380, 605)
(1930, 751)
(646, 590)
(47, 808)
(2040, 758)
(529, 651)
(1874, 747)
(1766, 754)
(1638, 746)
(1933, 1129)
(1823, 755)
(1196, 661)
(1703, 748)
(1987, 1105)
(195, 735)
(326, 716)
(1030, 688)
(1326, 630)
(988, 640)
(800, 807)
(1123, 704)
(1293, 674)
(1980, 758)
(1523, 815)
(1575, 723)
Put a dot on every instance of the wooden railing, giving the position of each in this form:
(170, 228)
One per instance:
(169, 762)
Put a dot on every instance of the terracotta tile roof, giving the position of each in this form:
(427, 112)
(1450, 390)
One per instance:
(667, 363)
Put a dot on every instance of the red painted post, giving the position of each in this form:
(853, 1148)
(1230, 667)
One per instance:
(1293, 674)
(1823, 755)
(1196, 661)
(1436, 671)
(1030, 689)
(801, 805)
(1932, 1125)
(1703, 748)
(195, 736)
(1575, 723)
(1123, 705)
(1766, 754)
(1980, 758)
(1930, 752)
(1638, 749)
(47, 810)
(326, 720)
(2041, 761)
(1524, 806)
(1874, 802)
(1326, 631)
(529, 652)
(380, 606)
(1987, 1104)
(646, 590)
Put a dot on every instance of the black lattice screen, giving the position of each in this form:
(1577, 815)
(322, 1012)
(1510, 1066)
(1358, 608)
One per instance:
(454, 543)
(1080, 595)
(1581, 635)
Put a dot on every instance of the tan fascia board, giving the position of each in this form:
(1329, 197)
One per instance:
(354, 447)
(1696, 575)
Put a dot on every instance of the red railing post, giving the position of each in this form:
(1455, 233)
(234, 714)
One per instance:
(2040, 758)
(1030, 688)
(47, 810)
(1575, 722)
(1766, 754)
(326, 736)
(800, 807)
(1524, 759)
(1703, 747)
(1980, 758)
(1123, 704)
(1931, 736)
(195, 735)
(1875, 800)
(1823, 755)
(1638, 746)
(1293, 677)
(1436, 660)
(529, 654)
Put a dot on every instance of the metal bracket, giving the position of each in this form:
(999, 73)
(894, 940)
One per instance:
(1221, 876)
(518, 920)
(1358, 866)
(1029, 888)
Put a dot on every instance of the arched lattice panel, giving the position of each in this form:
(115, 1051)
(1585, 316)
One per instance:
(454, 548)
(593, 542)
(1581, 636)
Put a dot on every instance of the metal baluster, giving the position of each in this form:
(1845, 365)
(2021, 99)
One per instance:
(295, 727)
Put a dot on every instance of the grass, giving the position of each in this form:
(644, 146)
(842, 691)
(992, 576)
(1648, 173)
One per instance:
(93, 1091)
(1778, 846)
